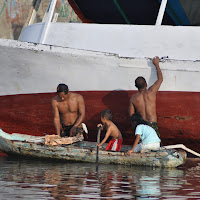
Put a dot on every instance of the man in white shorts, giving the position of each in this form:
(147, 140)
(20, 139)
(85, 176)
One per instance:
(148, 136)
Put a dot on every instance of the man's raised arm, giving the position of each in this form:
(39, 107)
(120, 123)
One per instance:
(155, 87)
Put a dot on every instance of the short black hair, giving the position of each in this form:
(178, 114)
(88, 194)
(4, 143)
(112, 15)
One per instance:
(137, 119)
(107, 114)
(62, 88)
(140, 82)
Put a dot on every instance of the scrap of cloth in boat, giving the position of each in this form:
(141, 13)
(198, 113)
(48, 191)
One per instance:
(149, 138)
(53, 140)
(115, 145)
(65, 132)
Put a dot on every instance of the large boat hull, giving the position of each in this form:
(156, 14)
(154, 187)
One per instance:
(30, 74)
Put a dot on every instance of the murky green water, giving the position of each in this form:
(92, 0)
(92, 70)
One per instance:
(38, 180)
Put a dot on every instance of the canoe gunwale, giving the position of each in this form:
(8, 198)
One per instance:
(79, 152)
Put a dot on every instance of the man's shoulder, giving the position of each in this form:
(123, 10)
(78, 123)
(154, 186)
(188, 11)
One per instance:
(134, 96)
(150, 90)
(76, 95)
(54, 99)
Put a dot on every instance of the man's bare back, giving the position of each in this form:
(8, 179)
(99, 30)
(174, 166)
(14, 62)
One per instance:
(68, 110)
(144, 101)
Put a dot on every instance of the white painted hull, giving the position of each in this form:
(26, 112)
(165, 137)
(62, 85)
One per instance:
(34, 68)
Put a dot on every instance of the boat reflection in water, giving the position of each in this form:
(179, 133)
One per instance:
(29, 179)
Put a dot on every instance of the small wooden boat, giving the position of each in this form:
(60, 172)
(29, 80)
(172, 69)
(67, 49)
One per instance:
(83, 151)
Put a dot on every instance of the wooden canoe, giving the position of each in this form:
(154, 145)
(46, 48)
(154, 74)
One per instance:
(83, 151)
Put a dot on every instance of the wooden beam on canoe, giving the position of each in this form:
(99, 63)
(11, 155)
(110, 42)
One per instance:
(181, 146)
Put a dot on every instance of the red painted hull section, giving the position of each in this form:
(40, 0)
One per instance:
(178, 115)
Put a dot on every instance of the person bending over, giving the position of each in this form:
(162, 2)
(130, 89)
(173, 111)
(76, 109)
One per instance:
(116, 142)
(68, 111)
(147, 135)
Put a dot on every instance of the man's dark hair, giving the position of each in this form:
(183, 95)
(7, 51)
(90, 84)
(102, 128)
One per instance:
(140, 82)
(62, 88)
(107, 114)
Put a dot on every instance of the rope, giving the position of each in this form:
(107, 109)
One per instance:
(3, 7)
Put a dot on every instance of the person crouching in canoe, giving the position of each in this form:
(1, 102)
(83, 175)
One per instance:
(147, 135)
(116, 142)
(68, 111)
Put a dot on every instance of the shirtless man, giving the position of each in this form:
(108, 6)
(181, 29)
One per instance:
(68, 110)
(144, 101)
(116, 142)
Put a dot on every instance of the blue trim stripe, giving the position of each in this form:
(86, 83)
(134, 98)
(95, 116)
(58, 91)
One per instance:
(177, 13)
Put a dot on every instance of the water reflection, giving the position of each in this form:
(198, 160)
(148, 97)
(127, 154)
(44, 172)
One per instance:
(29, 179)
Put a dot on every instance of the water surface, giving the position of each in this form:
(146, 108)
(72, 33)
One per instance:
(38, 180)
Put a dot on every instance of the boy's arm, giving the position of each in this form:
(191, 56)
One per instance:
(100, 125)
(134, 145)
(106, 137)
